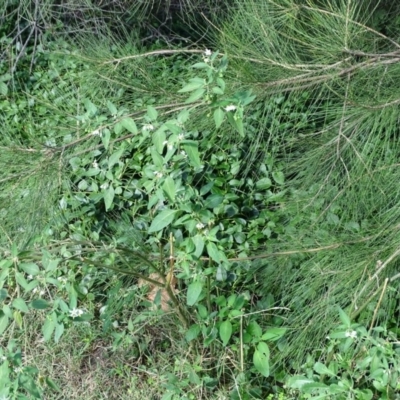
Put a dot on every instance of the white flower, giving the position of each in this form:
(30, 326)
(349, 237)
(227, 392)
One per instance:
(231, 107)
(207, 52)
(206, 59)
(96, 132)
(104, 185)
(351, 334)
(183, 153)
(75, 312)
(158, 174)
(115, 324)
(148, 127)
(95, 165)
(62, 279)
(170, 146)
(181, 136)
(3, 358)
(30, 277)
(18, 370)
(200, 225)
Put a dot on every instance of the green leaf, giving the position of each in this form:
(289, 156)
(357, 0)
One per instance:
(192, 86)
(261, 359)
(58, 332)
(3, 89)
(263, 184)
(49, 326)
(152, 113)
(192, 151)
(322, 369)
(51, 384)
(193, 292)
(30, 268)
(218, 117)
(159, 138)
(254, 329)
(344, 318)
(192, 333)
(274, 334)
(279, 177)
(129, 125)
(108, 197)
(20, 304)
(114, 158)
(163, 219)
(169, 188)
(40, 304)
(217, 90)
(3, 323)
(3, 294)
(90, 107)
(214, 253)
(225, 332)
(200, 65)
(111, 107)
(199, 243)
(196, 95)
(105, 137)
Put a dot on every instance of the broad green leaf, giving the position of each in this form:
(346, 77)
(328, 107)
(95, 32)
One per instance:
(159, 137)
(183, 116)
(58, 332)
(199, 243)
(196, 95)
(263, 184)
(254, 329)
(169, 188)
(274, 334)
(279, 177)
(129, 125)
(109, 197)
(152, 113)
(105, 137)
(192, 333)
(193, 292)
(111, 107)
(3, 323)
(17, 318)
(213, 201)
(163, 219)
(221, 274)
(298, 382)
(49, 326)
(40, 304)
(200, 65)
(114, 158)
(158, 161)
(322, 369)
(214, 253)
(90, 107)
(217, 90)
(344, 318)
(3, 89)
(225, 332)
(51, 384)
(261, 359)
(192, 86)
(20, 304)
(218, 117)
(3, 294)
(191, 149)
(30, 268)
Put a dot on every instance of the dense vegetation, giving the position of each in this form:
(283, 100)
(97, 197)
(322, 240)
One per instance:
(199, 200)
